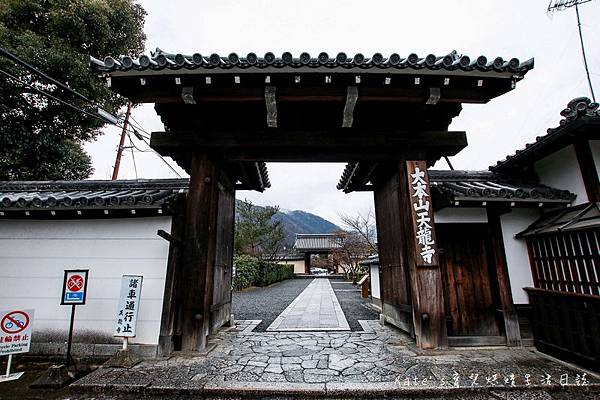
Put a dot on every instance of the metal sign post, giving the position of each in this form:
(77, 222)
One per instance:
(15, 337)
(74, 291)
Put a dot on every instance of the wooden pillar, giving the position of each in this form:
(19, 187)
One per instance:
(199, 252)
(307, 263)
(394, 275)
(429, 316)
(168, 327)
(410, 282)
(511, 318)
(587, 167)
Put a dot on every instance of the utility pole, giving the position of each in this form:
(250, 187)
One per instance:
(121, 143)
(559, 5)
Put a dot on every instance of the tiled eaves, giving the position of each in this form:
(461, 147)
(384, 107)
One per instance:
(88, 195)
(252, 63)
(579, 111)
(481, 186)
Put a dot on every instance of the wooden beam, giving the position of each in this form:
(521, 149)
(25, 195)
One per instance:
(187, 95)
(307, 263)
(271, 103)
(434, 96)
(314, 139)
(511, 318)
(168, 237)
(276, 144)
(172, 295)
(351, 98)
(587, 167)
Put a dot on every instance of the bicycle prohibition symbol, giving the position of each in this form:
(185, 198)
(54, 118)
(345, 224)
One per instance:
(75, 283)
(14, 322)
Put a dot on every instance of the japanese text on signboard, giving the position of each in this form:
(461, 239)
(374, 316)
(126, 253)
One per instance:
(422, 214)
(129, 302)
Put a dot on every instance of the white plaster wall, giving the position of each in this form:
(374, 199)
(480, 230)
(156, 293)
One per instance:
(451, 215)
(34, 255)
(375, 287)
(517, 257)
(561, 170)
(595, 146)
(298, 265)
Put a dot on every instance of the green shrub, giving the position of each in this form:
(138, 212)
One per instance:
(250, 271)
(246, 271)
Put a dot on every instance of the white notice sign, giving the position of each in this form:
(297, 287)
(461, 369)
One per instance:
(15, 331)
(129, 303)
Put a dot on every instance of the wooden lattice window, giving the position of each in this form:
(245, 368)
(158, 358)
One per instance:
(566, 261)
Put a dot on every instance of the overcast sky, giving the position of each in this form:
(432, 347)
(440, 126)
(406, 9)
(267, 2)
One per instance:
(509, 28)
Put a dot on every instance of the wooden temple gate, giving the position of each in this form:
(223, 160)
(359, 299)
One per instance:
(226, 116)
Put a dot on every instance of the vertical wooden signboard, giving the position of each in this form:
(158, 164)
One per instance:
(422, 215)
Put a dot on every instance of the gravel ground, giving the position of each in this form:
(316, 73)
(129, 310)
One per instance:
(354, 306)
(267, 303)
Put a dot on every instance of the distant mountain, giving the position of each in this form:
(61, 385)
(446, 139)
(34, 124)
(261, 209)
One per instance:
(301, 222)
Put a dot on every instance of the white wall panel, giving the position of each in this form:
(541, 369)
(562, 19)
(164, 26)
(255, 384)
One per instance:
(561, 171)
(454, 215)
(375, 286)
(517, 257)
(34, 254)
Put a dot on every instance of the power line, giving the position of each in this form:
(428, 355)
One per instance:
(31, 68)
(133, 156)
(43, 93)
(50, 96)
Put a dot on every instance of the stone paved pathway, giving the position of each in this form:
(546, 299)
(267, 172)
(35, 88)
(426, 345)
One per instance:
(379, 361)
(266, 303)
(315, 309)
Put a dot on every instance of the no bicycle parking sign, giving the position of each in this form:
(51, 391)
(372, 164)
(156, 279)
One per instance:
(15, 331)
(74, 286)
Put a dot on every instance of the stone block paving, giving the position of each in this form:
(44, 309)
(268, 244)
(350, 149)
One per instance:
(315, 309)
(381, 361)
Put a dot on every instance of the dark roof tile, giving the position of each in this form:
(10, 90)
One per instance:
(160, 59)
(580, 108)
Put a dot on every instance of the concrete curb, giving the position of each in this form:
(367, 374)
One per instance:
(330, 390)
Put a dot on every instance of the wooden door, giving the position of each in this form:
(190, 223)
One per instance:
(220, 309)
(470, 283)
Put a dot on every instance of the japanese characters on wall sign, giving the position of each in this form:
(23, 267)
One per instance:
(129, 303)
(422, 214)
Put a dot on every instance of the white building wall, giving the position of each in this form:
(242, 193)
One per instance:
(298, 265)
(561, 170)
(34, 255)
(450, 215)
(375, 286)
(517, 257)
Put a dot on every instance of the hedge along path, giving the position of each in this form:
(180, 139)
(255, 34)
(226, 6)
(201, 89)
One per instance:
(250, 271)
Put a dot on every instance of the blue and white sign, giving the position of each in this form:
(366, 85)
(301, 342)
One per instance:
(75, 286)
